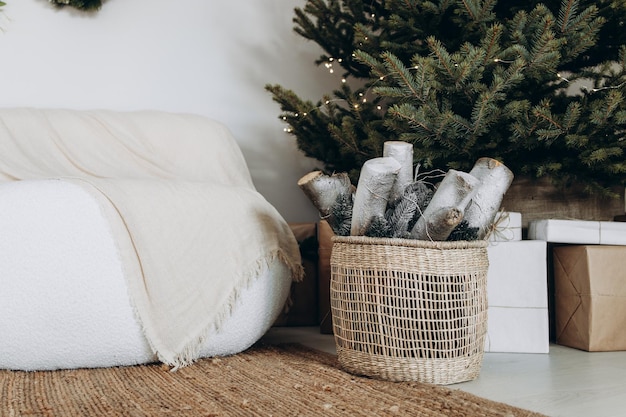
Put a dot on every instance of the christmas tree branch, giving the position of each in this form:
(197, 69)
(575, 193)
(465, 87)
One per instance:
(86, 5)
(464, 79)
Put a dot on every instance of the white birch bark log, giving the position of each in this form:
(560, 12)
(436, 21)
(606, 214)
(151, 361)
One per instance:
(403, 153)
(325, 191)
(438, 225)
(456, 190)
(372, 192)
(495, 179)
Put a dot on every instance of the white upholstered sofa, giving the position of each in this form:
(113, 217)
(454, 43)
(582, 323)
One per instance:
(132, 237)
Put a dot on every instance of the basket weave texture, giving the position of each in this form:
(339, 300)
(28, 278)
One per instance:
(409, 310)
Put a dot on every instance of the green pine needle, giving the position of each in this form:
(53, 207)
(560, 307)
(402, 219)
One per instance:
(464, 80)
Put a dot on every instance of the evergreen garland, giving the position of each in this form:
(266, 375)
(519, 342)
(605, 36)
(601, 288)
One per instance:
(86, 5)
(341, 211)
(463, 232)
(379, 227)
(404, 213)
(464, 80)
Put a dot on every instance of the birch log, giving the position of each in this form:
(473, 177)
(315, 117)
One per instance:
(455, 191)
(439, 224)
(326, 192)
(403, 153)
(495, 179)
(372, 192)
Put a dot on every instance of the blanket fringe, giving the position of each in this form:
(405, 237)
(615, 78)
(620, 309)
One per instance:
(191, 351)
(126, 249)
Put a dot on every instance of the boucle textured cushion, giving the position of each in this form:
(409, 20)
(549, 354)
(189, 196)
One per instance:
(191, 232)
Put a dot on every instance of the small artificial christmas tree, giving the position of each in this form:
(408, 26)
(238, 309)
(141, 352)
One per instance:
(537, 85)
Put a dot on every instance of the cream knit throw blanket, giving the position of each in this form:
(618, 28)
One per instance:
(191, 229)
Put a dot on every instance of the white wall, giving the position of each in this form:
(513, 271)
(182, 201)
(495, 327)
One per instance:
(200, 56)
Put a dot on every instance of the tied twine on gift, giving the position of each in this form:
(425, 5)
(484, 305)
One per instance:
(498, 229)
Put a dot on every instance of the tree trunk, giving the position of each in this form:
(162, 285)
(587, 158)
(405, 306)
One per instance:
(403, 153)
(372, 192)
(454, 192)
(495, 179)
(438, 224)
(327, 192)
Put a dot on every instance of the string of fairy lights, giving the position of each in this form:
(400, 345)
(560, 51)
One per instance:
(362, 96)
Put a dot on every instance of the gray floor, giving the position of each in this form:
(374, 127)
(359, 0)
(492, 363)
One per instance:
(564, 383)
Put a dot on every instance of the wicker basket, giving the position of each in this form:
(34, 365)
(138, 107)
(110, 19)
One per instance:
(409, 310)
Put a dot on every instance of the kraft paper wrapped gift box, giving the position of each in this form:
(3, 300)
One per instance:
(517, 293)
(590, 296)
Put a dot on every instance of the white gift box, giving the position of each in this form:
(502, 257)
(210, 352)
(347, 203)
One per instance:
(507, 227)
(586, 232)
(517, 291)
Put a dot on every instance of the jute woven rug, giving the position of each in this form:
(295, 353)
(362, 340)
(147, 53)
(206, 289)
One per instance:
(285, 380)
